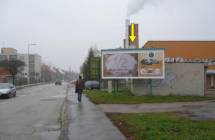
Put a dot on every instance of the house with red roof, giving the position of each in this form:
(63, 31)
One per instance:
(189, 70)
(190, 52)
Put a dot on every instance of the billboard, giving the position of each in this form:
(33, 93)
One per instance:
(133, 64)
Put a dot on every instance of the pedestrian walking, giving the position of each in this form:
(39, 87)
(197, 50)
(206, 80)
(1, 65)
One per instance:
(79, 87)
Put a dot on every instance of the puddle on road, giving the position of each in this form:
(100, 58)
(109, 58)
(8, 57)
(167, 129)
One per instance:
(50, 135)
(197, 115)
(54, 98)
(46, 127)
(72, 102)
(47, 131)
(48, 99)
(59, 96)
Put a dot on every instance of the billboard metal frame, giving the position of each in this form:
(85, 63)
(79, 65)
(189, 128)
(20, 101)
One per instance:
(131, 50)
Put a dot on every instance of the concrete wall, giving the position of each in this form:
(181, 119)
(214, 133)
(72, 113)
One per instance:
(180, 79)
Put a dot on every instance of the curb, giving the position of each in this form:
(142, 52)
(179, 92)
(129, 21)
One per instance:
(64, 119)
(30, 85)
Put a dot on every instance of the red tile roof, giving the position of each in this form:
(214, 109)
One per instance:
(185, 49)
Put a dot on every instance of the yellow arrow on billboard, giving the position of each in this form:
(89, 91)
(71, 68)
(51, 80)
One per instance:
(132, 36)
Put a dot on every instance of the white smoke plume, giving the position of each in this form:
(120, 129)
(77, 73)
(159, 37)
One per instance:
(135, 6)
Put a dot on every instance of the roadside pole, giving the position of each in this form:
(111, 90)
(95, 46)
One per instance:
(28, 65)
(114, 84)
(150, 87)
(110, 86)
(117, 85)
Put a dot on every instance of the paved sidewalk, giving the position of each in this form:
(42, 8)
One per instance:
(204, 110)
(151, 107)
(88, 122)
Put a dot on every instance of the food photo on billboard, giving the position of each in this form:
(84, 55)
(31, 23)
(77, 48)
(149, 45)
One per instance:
(150, 64)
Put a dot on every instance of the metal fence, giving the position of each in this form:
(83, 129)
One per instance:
(117, 85)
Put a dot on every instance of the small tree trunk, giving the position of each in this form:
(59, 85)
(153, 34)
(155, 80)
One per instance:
(13, 78)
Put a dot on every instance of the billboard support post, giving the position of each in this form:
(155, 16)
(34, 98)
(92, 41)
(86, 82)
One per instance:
(150, 87)
(117, 85)
(114, 86)
(110, 86)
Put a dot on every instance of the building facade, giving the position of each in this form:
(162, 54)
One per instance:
(180, 79)
(32, 67)
(7, 54)
(8, 51)
(188, 54)
(35, 67)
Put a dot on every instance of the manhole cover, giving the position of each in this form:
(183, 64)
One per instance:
(51, 99)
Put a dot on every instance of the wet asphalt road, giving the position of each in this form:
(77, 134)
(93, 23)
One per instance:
(33, 114)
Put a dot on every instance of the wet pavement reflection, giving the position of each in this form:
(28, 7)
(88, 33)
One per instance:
(88, 122)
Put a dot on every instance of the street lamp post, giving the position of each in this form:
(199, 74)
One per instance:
(29, 45)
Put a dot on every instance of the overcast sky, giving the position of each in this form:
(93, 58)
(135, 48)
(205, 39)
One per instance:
(65, 29)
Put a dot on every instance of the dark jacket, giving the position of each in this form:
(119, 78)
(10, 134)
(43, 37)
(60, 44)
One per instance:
(79, 86)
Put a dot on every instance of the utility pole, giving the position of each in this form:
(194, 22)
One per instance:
(28, 68)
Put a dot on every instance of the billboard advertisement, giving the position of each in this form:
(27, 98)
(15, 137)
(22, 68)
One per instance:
(133, 64)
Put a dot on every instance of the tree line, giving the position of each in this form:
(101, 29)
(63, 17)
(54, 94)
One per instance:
(91, 66)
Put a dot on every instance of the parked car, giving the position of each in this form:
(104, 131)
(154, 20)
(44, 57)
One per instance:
(92, 85)
(58, 82)
(7, 90)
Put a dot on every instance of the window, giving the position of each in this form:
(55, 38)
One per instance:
(3, 57)
(13, 57)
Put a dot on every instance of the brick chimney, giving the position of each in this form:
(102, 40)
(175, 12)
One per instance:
(134, 44)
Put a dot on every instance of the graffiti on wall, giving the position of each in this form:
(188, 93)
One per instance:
(167, 82)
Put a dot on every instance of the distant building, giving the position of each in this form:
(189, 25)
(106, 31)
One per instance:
(24, 58)
(8, 54)
(8, 51)
(33, 67)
